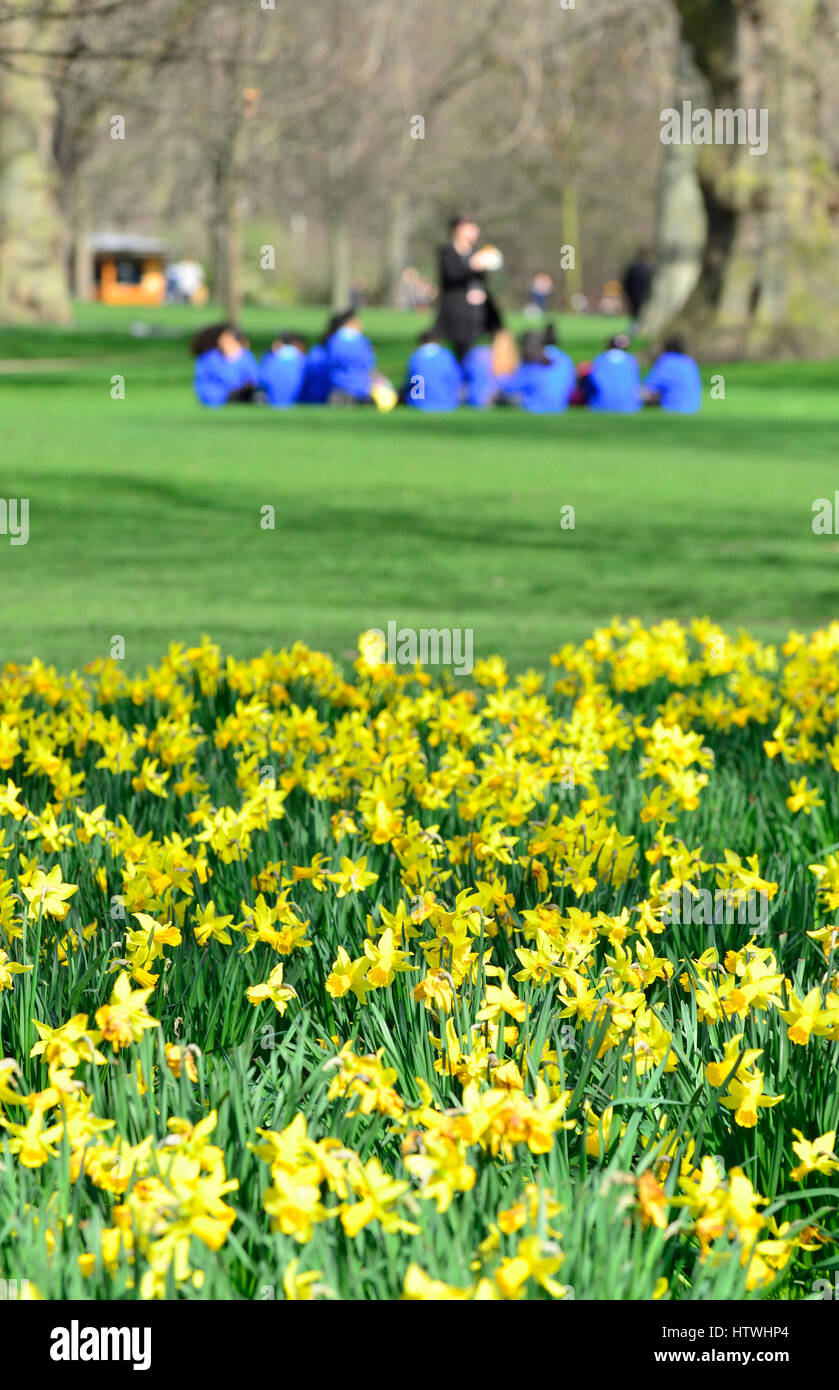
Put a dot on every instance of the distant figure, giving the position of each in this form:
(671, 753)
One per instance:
(415, 294)
(614, 382)
(315, 388)
(467, 310)
(434, 379)
(352, 362)
(674, 382)
(358, 294)
(479, 377)
(408, 295)
(544, 380)
(283, 369)
(185, 283)
(637, 282)
(223, 370)
(541, 289)
(611, 298)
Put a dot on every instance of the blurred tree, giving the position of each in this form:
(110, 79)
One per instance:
(33, 272)
(770, 273)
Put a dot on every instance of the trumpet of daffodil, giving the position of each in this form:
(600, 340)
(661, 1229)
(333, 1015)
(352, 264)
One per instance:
(386, 960)
(348, 975)
(273, 988)
(182, 1059)
(8, 969)
(441, 1170)
(802, 797)
(745, 1097)
(299, 1285)
(352, 878)
(419, 1287)
(735, 1059)
(144, 945)
(817, 1155)
(500, 999)
(652, 1201)
(209, 926)
(309, 873)
(535, 1259)
(68, 1045)
(376, 1196)
(48, 893)
(125, 1018)
(34, 1144)
(806, 1016)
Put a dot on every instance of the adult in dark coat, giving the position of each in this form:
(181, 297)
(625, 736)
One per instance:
(638, 282)
(467, 310)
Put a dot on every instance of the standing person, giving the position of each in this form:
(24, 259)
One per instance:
(541, 289)
(638, 282)
(467, 310)
(674, 382)
(614, 382)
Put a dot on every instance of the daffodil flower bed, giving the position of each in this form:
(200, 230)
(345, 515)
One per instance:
(321, 984)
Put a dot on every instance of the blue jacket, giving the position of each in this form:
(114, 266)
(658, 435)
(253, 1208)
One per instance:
(676, 378)
(315, 388)
(215, 377)
(434, 381)
(478, 376)
(542, 389)
(351, 363)
(615, 382)
(281, 375)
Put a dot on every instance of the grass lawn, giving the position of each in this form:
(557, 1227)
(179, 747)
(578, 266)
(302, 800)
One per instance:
(145, 512)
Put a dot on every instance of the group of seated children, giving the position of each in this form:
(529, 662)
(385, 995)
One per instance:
(538, 376)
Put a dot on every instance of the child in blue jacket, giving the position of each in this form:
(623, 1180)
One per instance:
(315, 388)
(614, 382)
(479, 379)
(434, 379)
(283, 369)
(544, 380)
(352, 362)
(674, 382)
(224, 370)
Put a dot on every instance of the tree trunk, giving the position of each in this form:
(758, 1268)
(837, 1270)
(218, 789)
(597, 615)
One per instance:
(226, 232)
(770, 272)
(33, 264)
(682, 223)
(397, 246)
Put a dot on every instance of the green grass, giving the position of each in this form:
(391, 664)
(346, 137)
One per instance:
(144, 513)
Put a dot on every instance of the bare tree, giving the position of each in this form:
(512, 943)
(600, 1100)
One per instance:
(770, 272)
